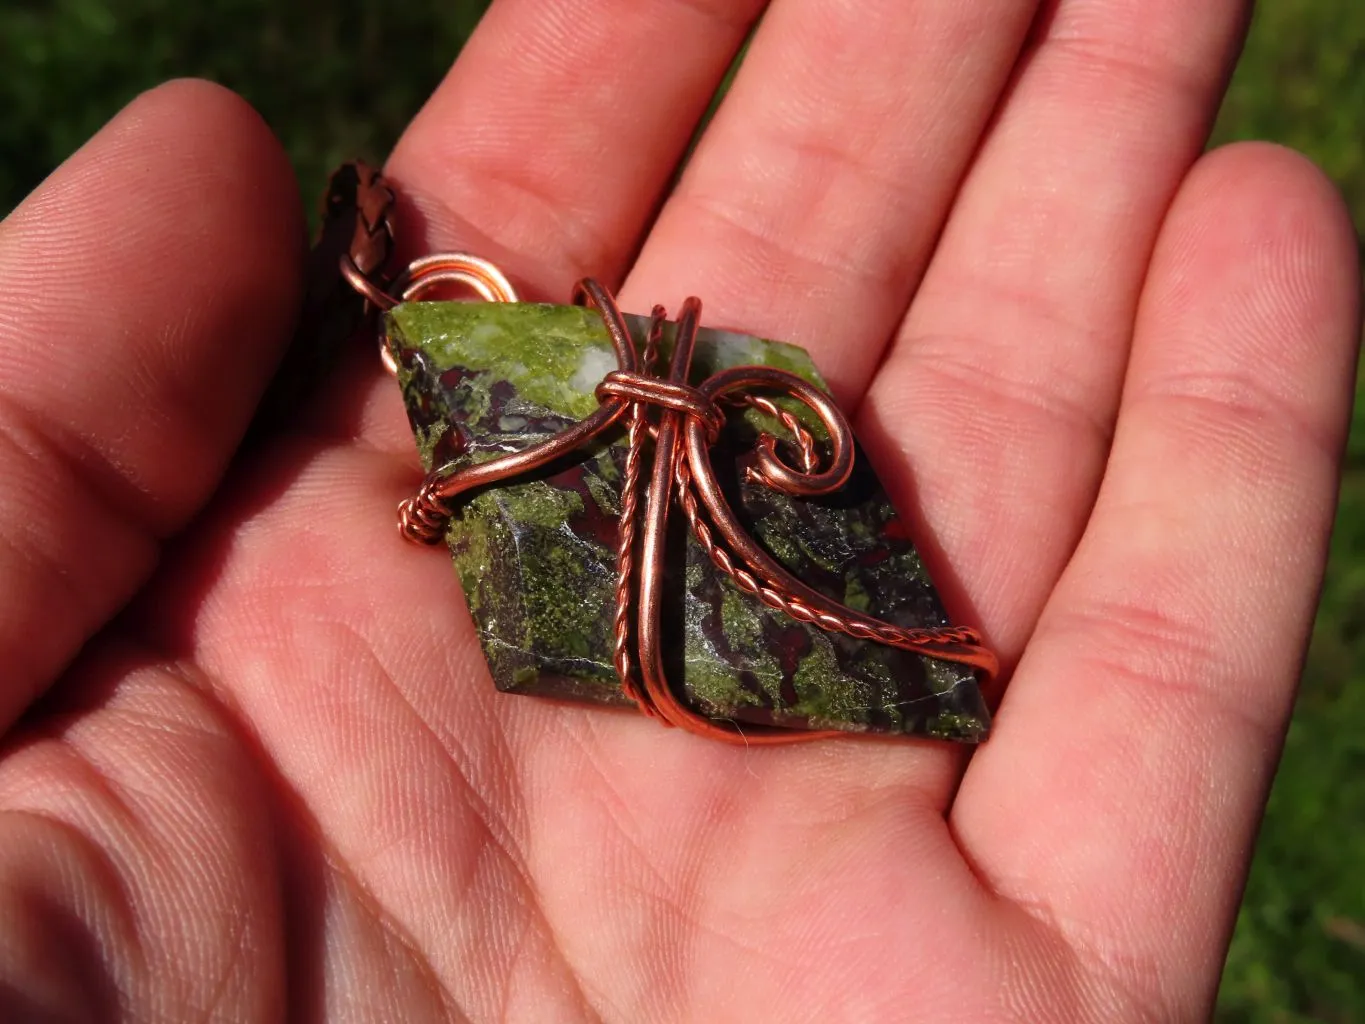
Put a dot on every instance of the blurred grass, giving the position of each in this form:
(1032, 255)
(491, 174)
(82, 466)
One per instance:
(340, 78)
(1298, 954)
(336, 79)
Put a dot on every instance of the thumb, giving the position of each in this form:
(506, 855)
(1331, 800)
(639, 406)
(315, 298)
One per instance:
(147, 289)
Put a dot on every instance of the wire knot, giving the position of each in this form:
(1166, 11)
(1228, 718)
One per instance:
(667, 394)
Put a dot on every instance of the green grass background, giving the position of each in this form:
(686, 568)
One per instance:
(341, 78)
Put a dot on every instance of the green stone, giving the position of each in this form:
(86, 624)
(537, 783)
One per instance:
(537, 556)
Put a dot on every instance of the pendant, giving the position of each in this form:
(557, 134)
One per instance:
(652, 514)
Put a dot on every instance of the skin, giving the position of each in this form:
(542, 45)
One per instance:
(254, 768)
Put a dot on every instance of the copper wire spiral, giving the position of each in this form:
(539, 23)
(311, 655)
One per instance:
(689, 420)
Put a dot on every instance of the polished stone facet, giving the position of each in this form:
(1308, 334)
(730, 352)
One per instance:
(537, 556)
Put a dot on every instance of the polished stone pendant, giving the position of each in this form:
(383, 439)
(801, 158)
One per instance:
(855, 640)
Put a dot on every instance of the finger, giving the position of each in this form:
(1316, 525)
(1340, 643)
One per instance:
(147, 288)
(137, 874)
(547, 147)
(812, 203)
(1119, 796)
(1000, 392)
(546, 150)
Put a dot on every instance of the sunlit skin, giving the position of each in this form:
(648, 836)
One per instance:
(255, 768)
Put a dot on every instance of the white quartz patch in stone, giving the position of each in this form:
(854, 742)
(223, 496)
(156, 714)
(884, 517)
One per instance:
(595, 364)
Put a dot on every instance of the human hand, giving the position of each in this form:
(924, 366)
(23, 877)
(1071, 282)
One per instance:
(279, 785)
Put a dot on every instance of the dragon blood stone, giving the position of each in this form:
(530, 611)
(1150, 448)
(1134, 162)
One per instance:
(537, 555)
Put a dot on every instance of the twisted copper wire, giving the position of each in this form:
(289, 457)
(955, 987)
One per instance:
(922, 640)
(805, 443)
(622, 657)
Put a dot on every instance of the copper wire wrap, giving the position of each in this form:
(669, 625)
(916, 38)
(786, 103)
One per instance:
(689, 421)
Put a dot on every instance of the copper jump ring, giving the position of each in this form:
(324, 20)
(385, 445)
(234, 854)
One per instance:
(425, 275)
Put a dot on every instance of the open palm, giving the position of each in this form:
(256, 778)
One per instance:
(1106, 377)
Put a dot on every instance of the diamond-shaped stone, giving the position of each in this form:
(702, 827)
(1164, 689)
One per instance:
(537, 556)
